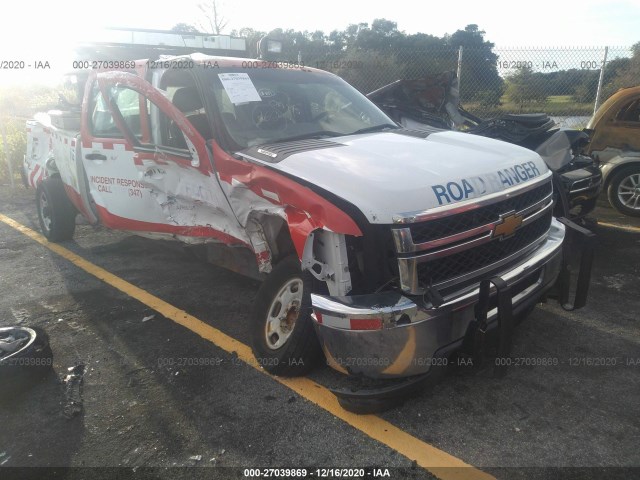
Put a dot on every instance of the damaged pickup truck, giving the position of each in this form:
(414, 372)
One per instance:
(381, 247)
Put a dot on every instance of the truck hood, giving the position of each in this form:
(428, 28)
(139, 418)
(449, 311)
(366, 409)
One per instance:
(387, 175)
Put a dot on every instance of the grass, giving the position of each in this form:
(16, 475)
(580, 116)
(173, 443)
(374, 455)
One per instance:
(556, 105)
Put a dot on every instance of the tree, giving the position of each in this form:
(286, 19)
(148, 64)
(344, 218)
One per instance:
(16, 147)
(479, 76)
(184, 28)
(523, 88)
(369, 69)
(215, 20)
(18, 104)
(382, 35)
(615, 75)
(624, 72)
(370, 54)
(251, 37)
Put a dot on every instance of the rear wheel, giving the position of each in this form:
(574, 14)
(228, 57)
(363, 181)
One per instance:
(56, 213)
(284, 340)
(624, 191)
(23, 176)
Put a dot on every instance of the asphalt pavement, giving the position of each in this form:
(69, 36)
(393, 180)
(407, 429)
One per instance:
(156, 394)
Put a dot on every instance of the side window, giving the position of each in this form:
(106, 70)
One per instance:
(102, 124)
(145, 120)
(164, 131)
(128, 103)
(630, 113)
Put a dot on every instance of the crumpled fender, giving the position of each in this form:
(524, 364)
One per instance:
(304, 209)
(300, 227)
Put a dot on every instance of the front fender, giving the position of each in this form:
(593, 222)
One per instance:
(50, 166)
(300, 227)
(617, 162)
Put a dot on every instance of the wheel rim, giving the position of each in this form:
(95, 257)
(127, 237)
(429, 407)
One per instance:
(629, 191)
(283, 313)
(26, 336)
(45, 211)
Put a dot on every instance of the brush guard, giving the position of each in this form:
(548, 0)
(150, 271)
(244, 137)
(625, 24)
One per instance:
(582, 240)
(476, 334)
(494, 292)
(578, 241)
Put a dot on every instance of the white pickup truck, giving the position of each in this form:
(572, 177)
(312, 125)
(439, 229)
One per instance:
(372, 240)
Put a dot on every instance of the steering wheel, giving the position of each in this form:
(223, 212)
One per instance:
(267, 117)
(333, 109)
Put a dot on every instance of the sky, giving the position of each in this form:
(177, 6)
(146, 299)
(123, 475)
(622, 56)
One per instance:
(42, 30)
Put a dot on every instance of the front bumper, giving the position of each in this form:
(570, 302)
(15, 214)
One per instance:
(413, 338)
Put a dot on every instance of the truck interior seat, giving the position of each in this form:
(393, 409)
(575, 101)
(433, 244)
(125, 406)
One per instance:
(188, 101)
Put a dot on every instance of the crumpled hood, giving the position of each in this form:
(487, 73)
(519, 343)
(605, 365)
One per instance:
(387, 174)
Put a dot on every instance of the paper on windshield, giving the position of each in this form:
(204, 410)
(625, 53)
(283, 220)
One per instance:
(239, 87)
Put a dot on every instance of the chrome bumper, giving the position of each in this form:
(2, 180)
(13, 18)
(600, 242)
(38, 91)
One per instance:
(400, 338)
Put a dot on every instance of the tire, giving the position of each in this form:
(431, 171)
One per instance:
(23, 176)
(624, 191)
(287, 345)
(56, 213)
(32, 360)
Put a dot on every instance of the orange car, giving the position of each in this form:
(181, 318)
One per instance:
(615, 141)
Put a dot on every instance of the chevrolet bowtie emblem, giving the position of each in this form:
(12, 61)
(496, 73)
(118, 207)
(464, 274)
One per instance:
(508, 226)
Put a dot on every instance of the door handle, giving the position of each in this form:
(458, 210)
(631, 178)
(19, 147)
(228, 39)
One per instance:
(95, 156)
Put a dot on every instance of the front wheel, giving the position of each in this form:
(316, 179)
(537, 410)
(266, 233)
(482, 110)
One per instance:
(624, 191)
(56, 213)
(284, 340)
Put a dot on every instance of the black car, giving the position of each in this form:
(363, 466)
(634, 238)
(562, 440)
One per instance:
(433, 102)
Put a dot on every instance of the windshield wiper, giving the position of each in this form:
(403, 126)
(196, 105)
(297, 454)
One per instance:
(306, 136)
(329, 133)
(375, 128)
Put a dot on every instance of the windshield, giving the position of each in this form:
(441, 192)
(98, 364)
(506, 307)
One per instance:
(276, 105)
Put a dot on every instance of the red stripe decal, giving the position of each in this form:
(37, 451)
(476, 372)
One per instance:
(33, 174)
(365, 323)
(76, 199)
(291, 194)
(120, 223)
(40, 177)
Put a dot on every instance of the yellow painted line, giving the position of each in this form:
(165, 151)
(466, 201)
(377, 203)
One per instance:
(436, 461)
(620, 227)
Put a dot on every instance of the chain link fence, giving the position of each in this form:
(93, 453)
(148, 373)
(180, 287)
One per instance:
(565, 83)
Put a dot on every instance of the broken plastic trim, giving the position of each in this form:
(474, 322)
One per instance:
(583, 241)
(375, 400)
(562, 196)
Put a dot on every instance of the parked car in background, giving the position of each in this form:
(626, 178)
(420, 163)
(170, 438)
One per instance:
(615, 142)
(433, 101)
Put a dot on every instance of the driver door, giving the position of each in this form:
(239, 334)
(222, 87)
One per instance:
(173, 165)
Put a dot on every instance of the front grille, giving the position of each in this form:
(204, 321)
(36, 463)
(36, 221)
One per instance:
(428, 256)
(486, 254)
(446, 226)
